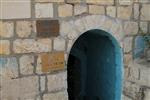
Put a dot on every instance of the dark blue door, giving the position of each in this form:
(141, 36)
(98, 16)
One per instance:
(95, 67)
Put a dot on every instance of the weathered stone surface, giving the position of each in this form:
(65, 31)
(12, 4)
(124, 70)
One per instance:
(94, 9)
(6, 29)
(57, 81)
(130, 28)
(69, 45)
(145, 14)
(128, 44)
(23, 88)
(15, 9)
(39, 65)
(59, 44)
(127, 59)
(126, 98)
(144, 27)
(79, 9)
(42, 83)
(102, 2)
(125, 2)
(111, 11)
(74, 1)
(136, 11)
(9, 67)
(4, 47)
(124, 12)
(56, 96)
(26, 64)
(65, 10)
(147, 94)
(144, 1)
(23, 28)
(31, 45)
(44, 10)
(57, 1)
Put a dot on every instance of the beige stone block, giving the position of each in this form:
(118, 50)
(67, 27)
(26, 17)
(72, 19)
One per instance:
(9, 67)
(147, 94)
(4, 47)
(111, 11)
(15, 9)
(144, 27)
(24, 28)
(56, 96)
(145, 12)
(127, 59)
(44, 10)
(31, 45)
(102, 2)
(65, 10)
(74, 1)
(130, 28)
(136, 11)
(52, 1)
(42, 83)
(26, 64)
(79, 9)
(59, 44)
(57, 81)
(24, 88)
(94, 9)
(126, 98)
(6, 29)
(124, 12)
(127, 44)
(125, 2)
(144, 1)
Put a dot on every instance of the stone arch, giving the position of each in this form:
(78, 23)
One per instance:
(92, 67)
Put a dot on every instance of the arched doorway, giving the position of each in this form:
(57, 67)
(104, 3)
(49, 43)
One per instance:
(95, 67)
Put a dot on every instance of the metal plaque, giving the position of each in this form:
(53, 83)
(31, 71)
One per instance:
(52, 61)
(47, 28)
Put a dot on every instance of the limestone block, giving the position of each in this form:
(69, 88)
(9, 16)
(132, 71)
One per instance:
(127, 44)
(44, 10)
(144, 27)
(94, 9)
(136, 11)
(101, 2)
(26, 64)
(52, 1)
(59, 44)
(111, 11)
(74, 1)
(31, 45)
(42, 83)
(147, 94)
(79, 9)
(65, 10)
(125, 2)
(131, 28)
(145, 14)
(4, 47)
(124, 12)
(6, 29)
(57, 81)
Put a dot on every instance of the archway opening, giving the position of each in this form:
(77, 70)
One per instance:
(95, 67)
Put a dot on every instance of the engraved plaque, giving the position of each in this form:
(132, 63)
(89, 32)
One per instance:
(47, 28)
(53, 61)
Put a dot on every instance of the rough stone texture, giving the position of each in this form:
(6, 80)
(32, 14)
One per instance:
(9, 67)
(57, 81)
(58, 1)
(56, 96)
(128, 44)
(23, 28)
(127, 59)
(23, 88)
(26, 64)
(125, 2)
(94, 9)
(130, 28)
(79, 9)
(136, 11)
(6, 29)
(31, 45)
(15, 9)
(145, 14)
(59, 44)
(144, 27)
(39, 65)
(65, 10)
(44, 10)
(126, 98)
(111, 11)
(4, 47)
(42, 83)
(74, 1)
(69, 45)
(124, 12)
(147, 94)
(101, 2)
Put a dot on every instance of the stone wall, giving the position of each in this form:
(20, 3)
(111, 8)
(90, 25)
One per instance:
(22, 50)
